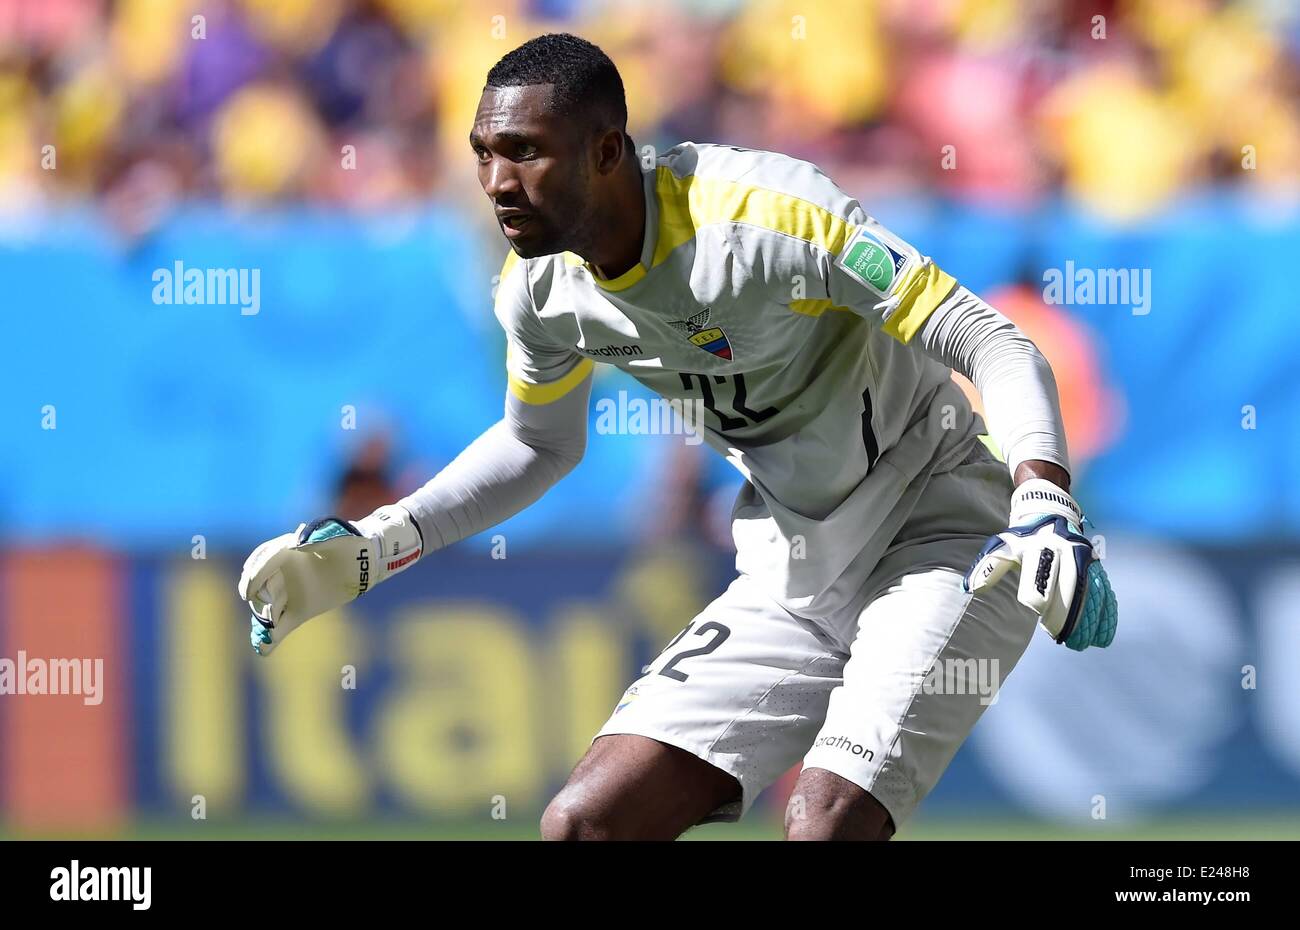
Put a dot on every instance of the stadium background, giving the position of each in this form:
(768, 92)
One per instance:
(148, 447)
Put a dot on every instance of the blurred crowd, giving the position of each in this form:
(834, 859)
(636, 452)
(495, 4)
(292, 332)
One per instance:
(365, 104)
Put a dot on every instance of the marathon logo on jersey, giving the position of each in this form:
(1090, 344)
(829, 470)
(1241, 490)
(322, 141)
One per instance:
(873, 262)
(698, 332)
(612, 351)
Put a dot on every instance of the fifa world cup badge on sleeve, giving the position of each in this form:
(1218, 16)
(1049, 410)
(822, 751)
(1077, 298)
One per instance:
(873, 261)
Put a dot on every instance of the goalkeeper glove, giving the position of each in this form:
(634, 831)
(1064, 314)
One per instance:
(1060, 577)
(323, 565)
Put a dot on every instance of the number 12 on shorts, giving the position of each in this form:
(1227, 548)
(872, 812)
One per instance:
(716, 634)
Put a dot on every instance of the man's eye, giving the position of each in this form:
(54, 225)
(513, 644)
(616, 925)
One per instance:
(525, 150)
(482, 154)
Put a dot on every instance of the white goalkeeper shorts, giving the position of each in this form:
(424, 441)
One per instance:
(882, 694)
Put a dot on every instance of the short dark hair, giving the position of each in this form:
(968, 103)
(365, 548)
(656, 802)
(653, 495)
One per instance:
(587, 85)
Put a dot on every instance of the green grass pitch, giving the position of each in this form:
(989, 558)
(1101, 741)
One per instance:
(1276, 826)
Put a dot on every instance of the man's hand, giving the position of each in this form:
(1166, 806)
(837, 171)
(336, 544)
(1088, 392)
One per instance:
(1060, 577)
(323, 565)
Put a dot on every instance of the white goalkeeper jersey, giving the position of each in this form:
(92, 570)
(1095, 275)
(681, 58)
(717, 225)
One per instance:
(768, 298)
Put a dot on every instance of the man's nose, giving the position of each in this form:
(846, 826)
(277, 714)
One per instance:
(499, 178)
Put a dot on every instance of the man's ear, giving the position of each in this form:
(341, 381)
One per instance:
(610, 151)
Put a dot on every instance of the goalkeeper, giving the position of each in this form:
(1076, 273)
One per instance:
(874, 529)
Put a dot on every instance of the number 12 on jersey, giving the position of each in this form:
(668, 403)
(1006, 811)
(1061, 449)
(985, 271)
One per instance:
(744, 415)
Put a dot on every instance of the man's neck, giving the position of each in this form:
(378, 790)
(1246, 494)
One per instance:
(614, 255)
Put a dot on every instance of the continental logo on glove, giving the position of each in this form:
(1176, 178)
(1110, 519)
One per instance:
(363, 577)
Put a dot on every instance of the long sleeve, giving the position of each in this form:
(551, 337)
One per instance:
(505, 470)
(1014, 380)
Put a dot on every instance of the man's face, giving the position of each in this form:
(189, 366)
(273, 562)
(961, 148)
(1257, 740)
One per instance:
(533, 167)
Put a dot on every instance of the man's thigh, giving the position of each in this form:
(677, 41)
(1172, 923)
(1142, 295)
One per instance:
(634, 788)
(743, 688)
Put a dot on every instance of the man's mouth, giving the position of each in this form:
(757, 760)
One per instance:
(515, 224)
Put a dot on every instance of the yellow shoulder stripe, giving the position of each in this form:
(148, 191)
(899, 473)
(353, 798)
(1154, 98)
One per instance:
(686, 204)
(551, 391)
(689, 203)
(921, 291)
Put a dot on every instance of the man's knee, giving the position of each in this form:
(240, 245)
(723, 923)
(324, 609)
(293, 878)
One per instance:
(570, 816)
(635, 788)
(825, 806)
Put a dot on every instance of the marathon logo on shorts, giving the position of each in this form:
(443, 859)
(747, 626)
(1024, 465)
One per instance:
(843, 742)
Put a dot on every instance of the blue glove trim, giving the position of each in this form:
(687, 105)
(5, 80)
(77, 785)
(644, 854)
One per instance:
(1063, 529)
(1100, 613)
(1082, 563)
(259, 634)
(326, 528)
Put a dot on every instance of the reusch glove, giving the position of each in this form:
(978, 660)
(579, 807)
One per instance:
(322, 565)
(1060, 577)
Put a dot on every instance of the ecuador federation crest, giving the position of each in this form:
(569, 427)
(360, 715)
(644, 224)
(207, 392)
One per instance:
(698, 332)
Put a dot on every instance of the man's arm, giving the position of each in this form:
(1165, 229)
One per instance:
(505, 470)
(1060, 578)
(1045, 470)
(1013, 379)
(882, 277)
(541, 437)
(325, 564)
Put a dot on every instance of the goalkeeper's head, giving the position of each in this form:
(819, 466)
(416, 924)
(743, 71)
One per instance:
(554, 156)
